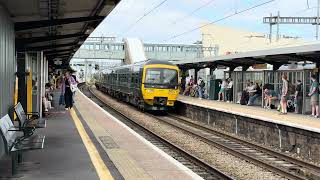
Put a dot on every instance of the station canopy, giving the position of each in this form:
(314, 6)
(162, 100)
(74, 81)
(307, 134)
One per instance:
(276, 57)
(57, 27)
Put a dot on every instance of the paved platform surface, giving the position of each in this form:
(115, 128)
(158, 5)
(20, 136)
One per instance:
(134, 157)
(291, 119)
(64, 155)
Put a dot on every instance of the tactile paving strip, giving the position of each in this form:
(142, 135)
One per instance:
(108, 142)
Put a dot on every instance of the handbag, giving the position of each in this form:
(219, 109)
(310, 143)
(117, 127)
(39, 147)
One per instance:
(73, 88)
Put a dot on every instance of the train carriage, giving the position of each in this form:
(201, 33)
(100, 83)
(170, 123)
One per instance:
(149, 85)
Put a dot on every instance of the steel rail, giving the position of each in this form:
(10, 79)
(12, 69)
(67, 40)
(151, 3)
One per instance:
(213, 171)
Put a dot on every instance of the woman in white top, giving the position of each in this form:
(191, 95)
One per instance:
(229, 91)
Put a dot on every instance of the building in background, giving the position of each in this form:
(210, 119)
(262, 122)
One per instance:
(85, 68)
(230, 40)
(233, 40)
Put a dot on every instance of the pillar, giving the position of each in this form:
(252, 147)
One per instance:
(21, 75)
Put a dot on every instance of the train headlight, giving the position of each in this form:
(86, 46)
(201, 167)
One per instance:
(172, 91)
(149, 90)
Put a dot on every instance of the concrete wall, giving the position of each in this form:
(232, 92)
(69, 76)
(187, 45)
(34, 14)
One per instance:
(303, 143)
(7, 64)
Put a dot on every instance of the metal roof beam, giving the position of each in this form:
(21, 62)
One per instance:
(24, 41)
(300, 57)
(228, 64)
(260, 60)
(62, 58)
(20, 26)
(59, 51)
(56, 55)
(46, 47)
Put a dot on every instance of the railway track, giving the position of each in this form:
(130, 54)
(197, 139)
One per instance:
(276, 162)
(195, 164)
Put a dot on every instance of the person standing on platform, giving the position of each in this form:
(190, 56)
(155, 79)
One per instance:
(222, 91)
(77, 82)
(298, 97)
(68, 80)
(201, 85)
(229, 91)
(314, 94)
(284, 94)
(182, 85)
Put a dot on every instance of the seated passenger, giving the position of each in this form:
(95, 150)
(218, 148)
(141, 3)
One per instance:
(189, 87)
(269, 96)
(48, 97)
(254, 92)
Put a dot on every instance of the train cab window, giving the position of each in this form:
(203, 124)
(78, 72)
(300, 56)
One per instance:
(161, 78)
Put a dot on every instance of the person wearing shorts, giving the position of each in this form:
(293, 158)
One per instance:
(269, 96)
(284, 94)
(223, 87)
(314, 94)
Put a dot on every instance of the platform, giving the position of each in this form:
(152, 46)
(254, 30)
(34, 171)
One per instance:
(134, 157)
(291, 119)
(64, 155)
(296, 134)
(87, 142)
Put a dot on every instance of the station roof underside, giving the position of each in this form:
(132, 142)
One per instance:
(276, 57)
(57, 27)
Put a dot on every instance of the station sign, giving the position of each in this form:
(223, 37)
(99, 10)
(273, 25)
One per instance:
(57, 62)
(260, 66)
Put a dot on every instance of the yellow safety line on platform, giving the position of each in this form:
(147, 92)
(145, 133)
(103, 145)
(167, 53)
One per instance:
(102, 170)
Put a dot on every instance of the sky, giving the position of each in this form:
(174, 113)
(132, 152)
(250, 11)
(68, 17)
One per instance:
(175, 17)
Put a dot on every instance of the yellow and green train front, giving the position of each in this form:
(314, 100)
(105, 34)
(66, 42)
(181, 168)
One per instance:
(160, 87)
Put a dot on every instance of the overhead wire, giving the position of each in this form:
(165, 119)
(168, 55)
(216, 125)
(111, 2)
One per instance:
(221, 19)
(145, 15)
(192, 12)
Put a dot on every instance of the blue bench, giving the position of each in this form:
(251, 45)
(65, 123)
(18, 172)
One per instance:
(16, 143)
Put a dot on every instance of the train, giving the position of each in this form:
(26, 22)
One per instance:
(148, 85)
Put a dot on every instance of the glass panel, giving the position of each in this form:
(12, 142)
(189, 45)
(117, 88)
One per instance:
(161, 78)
